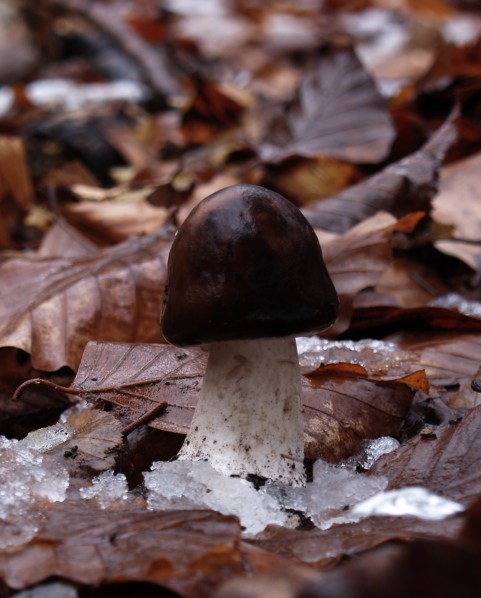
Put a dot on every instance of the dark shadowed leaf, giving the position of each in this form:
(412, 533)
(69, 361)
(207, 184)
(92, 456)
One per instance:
(446, 461)
(339, 112)
(419, 569)
(403, 187)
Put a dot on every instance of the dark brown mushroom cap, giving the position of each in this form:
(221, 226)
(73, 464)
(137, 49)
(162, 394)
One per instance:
(246, 264)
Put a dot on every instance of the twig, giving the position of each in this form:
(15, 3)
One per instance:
(146, 418)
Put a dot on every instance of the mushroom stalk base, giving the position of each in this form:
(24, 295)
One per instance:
(248, 419)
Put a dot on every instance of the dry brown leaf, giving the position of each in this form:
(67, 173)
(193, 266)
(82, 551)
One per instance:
(457, 202)
(339, 112)
(51, 308)
(340, 409)
(403, 187)
(92, 448)
(445, 462)
(410, 283)
(65, 241)
(114, 221)
(356, 260)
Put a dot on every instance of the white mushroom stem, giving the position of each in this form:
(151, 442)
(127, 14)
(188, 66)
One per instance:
(249, 416)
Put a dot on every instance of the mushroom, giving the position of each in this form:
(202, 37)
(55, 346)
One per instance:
(245, 275)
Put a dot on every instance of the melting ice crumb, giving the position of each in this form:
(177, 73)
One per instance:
(372, 450)
(450, 300)
(414, 501)
(330, 496)
(29, 481)
(324, 500)
(56, 589)
(45, 439)
(208, 489)
(372, 354)
(107, 489)
(336, 495)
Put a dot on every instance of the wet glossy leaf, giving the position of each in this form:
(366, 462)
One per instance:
(446, 461)
(190, 552)
(324, 548)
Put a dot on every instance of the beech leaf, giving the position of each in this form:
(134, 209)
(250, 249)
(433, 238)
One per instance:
(189, 552)
(356, 261)
(339, 112)
(402, 187)
(445, 462)
(340, 409)
(51, 308)
(325, 548)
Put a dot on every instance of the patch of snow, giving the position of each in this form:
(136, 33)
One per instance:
(324, 500)
(370, 353)
(56, 589)
(203, 485)
(44, 439)
(7, 99)
(372, 450)
(461, 30)
(453, 300)
(29, 482)
(411, 501)
(107, 489)
(72, 96)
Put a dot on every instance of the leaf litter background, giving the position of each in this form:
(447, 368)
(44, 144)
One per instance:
(366, 115)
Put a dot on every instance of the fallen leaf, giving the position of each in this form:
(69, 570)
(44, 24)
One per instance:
(356, 260)
(51, 308)
(134, 378)
(93, 448)
(325, 548)
(114, 221)
(446, 462)
(339, 112)
(422, 568)
(189, 552)
(340, 409)
(403, 187)
(457, 202)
